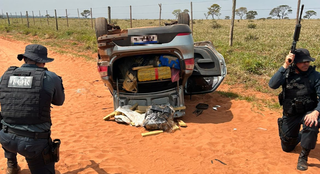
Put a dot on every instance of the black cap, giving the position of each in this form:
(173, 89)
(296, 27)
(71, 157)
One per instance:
(37, 53)
(303, 55)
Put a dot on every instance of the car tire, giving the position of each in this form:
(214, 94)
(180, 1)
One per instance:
(184, 18)
(101, 26)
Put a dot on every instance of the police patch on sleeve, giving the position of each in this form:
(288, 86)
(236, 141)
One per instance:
(20, 82)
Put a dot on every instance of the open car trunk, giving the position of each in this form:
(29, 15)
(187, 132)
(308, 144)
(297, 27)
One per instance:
(146, 73)
(147, 79)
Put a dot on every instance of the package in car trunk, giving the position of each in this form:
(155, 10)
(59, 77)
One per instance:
(154, 73)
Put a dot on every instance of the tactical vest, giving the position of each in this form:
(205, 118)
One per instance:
(22, 97)
(299, 97)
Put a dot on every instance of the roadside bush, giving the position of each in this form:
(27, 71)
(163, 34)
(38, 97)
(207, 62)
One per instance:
(7, 29)
(253, 66)
(215, 24)
(251, 37)
(253, 26)
(69, 32)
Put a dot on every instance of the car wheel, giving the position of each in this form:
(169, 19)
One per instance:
(101, 26)
(184, 18)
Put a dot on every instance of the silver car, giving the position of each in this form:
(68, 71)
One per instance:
(156, 65)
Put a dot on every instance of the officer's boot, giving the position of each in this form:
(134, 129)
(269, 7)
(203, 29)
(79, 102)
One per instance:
(303, 158)
(13, 167)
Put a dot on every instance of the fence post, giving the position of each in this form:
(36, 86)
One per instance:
(40, 17)
(55, 13)
(16, 16)
(160, 5)
(130, 16)
(79, 17)
(47, 17)
(27, 19)
(67, 18)
(21, 17)
(34, 23)
(8, 18)
(191, 18)
(232, 23)
(91, 18)
(109, 14)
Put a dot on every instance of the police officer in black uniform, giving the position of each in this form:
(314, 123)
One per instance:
(26, 95)
(300, 100)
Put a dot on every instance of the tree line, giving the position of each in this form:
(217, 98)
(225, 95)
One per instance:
(280, 12)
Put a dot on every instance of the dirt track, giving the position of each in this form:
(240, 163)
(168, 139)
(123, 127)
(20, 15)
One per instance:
(237, 138)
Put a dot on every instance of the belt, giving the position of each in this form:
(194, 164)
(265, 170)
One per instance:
(34, 135)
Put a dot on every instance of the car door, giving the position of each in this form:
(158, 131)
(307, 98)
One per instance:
(209, 69)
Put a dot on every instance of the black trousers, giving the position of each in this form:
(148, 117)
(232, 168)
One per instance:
(30, 148)
(291, 128)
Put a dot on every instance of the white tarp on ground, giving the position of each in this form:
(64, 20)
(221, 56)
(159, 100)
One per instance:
(133, 116)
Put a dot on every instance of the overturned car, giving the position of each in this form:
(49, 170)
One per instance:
(156, 65)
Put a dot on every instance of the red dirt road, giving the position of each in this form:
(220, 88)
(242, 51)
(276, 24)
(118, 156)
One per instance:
(237, 138)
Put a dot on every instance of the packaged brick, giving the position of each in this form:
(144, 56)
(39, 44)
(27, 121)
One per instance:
(155, 73)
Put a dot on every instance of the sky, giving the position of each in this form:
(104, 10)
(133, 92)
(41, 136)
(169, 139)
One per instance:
(148, 9)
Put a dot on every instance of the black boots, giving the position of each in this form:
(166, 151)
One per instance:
(13, 167)
(14, 170)
(303, 158)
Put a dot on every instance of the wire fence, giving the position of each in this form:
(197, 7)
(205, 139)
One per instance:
(61, 17)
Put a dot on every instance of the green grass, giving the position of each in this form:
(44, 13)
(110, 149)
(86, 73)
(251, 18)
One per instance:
(259, 46)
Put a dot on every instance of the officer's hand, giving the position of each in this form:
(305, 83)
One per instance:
(289, 59)
(311, 118)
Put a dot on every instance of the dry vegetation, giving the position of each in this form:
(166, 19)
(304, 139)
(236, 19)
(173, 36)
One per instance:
(258, 50)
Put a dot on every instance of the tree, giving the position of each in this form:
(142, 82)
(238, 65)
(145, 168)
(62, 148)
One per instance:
(281, 11)
(214, 10)
(309, 14)
(85, 13)
(241, 12)
(275, 12)
(176, 13)
(185, 11)
(227, 17)
(251, 14)
(219, 14)
(206, 15)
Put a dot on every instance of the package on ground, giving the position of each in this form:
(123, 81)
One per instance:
(134, 118)
(159, 117)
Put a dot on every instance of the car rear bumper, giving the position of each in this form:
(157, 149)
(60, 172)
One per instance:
(173, 97)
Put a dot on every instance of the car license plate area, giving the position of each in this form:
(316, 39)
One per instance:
(145, 39)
